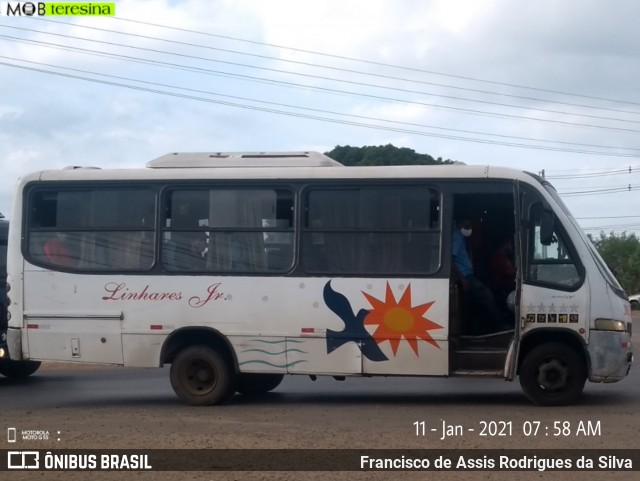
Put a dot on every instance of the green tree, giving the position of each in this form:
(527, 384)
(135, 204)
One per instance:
(382, 155)
(622, 255)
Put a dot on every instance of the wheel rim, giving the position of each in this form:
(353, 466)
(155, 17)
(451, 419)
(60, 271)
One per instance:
(553, 375)
(200, 377)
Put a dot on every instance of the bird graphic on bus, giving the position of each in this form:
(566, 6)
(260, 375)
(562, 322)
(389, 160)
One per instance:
(395, 321)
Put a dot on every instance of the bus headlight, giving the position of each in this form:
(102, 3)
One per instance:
(3, 353)
(610, 325)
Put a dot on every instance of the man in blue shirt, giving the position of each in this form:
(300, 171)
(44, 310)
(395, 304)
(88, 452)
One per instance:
(461, 260)
(483, 309)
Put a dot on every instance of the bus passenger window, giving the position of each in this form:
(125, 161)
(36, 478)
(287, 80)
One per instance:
(372, 230)
(91, 228)
(56, 252)
(186, 251)
(243, 230)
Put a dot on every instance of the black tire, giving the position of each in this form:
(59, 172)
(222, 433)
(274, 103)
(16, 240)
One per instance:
(202, 377)
(18, 369)
(635, 305)
(251, 384)
(553, 374)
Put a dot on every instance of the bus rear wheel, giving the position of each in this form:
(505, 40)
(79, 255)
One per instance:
(251, 384)
(200, 376)
(18, 369)
(553, 374)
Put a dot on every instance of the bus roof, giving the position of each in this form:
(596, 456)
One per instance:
(268, 166)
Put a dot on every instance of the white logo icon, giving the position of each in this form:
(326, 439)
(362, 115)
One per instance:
(23, 460)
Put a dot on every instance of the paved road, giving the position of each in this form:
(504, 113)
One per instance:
(59, 387)
(136, 408)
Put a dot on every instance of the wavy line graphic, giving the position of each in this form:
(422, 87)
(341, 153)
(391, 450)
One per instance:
(294, 341)
(256, 361)
(263, 341)
(275, 353)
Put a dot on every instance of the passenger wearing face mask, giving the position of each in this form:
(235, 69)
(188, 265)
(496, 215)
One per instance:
(462, 264)
(482, 307)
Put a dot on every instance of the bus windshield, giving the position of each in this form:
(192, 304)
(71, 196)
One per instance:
(602, 265)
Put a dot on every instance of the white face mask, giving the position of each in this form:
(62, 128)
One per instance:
(466, 232)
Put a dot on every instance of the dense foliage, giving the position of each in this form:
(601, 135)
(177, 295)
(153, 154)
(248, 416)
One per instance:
(622, 255)
(382, 155)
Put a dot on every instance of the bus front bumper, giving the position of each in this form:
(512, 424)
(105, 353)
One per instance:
(611, 354)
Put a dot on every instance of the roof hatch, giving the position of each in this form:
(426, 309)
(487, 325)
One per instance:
(181, 160)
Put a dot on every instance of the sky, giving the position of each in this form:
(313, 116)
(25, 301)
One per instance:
(538, 86)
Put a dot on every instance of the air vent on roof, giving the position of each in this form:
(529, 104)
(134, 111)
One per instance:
(178, 160)
(275, 156)
(77, 167)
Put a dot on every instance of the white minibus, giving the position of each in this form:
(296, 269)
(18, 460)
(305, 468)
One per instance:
(239, 268)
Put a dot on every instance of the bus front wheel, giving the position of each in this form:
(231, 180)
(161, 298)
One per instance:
(18, 369)
(553, 374)
(251, 384)
(200, 376)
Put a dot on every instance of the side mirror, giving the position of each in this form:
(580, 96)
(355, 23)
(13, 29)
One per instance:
(546, 227)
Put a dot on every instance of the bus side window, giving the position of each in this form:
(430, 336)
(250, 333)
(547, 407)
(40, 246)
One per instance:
(372, 230)
(50, 248)
(94, 229)
(185, 252)
(244, 230)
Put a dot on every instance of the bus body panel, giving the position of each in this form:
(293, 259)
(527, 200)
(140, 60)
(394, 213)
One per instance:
(65, 323)
(142, 350)
(548, 308)
(285, 325)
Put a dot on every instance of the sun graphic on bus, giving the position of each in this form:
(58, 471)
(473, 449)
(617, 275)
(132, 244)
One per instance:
(398, 319)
